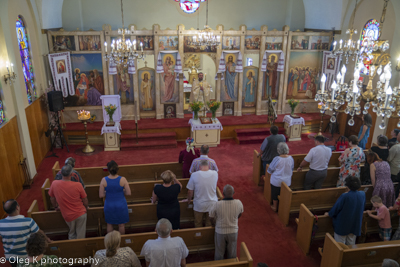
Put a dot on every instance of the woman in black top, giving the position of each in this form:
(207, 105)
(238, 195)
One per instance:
(167, 195)
(381, 148)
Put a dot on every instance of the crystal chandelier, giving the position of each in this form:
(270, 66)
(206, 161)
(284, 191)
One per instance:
(123, 52)
(206, 36)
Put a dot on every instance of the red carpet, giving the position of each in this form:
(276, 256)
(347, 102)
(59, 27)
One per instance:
(267, 239)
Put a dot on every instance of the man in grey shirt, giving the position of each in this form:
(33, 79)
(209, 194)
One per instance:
(269, 146)
(318, 157)
(394, 162)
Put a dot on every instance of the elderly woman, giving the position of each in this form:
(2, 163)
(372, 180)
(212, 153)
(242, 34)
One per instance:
(114, 188)
(187, 156)
(167, 196)
(350, 159)
(113, 255)
(381, 179)
(35, 247)
(281, 169)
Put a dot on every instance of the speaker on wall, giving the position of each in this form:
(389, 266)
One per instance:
(56, 102)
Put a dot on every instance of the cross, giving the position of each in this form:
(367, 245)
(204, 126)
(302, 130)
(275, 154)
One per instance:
(111, 137)
(206, 135)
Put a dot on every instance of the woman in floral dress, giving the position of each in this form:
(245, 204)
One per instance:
(350, 160)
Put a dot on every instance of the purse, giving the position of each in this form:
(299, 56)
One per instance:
(342, 143)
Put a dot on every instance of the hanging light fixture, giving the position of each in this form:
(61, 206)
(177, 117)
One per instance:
(123, 51)
(206, 36)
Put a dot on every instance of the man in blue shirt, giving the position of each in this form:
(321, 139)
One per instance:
(347, 212)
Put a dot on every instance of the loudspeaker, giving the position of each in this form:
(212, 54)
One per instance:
(56, 102)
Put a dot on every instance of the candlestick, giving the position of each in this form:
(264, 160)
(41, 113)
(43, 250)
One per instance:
(334, 45)
(341, 42)
(338, 77)
(343, 73)
(323, 79)
(105, 46)
(388, 93)
(333, 86)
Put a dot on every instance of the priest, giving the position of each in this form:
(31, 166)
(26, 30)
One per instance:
(201, 90)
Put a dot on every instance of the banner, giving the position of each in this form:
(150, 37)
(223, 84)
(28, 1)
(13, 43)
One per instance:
(61, 70)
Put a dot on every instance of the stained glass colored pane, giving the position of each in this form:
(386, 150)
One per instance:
(371, 30)
(1, 112)
(189, 6)
(24, 51)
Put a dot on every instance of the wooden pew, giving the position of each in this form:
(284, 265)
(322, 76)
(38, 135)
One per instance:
(306, 221)
(141, 193)
(335, 254)
(133, 173)
(317, 199)
(298, 181)
(145, 214)
(196, 239)
(244, 260)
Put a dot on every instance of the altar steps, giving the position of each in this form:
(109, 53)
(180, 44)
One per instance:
(253, 135)
(149, 141)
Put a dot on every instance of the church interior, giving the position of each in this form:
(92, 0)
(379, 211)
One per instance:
(131, 81)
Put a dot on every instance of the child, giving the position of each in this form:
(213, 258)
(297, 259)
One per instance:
(383, 216)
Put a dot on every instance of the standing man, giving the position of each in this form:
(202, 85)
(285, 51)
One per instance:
(203, 184)
(203, 156)
(166, 250)
(394, 162)
(318, 157)
(393, 135)
(224, 215)
(75, 176)
(269, 146)
(70, 198)
(15, 231)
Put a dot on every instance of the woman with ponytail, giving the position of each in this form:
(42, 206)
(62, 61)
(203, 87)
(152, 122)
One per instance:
(113, 255)
(187, 156)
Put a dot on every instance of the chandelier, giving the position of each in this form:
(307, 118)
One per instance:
(206, 36)
(123, 52)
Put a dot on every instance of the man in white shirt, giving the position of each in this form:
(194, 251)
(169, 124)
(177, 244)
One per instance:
(203, 184)
(166, 251)
(318, 157)
(225, 215)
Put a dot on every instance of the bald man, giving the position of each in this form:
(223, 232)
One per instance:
(225, 215)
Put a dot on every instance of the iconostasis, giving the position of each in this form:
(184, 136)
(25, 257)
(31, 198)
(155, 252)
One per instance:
(244, 70)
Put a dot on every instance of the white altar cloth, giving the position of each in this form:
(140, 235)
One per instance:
(197, 125)
(292, 121)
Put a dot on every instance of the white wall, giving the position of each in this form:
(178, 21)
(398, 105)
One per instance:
(323, 14)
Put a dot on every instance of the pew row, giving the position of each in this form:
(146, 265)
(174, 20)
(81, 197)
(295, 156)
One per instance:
(337, 254)
(306, 221)
(317, 199)
(141, 193)
(298, 181)
(133, 173)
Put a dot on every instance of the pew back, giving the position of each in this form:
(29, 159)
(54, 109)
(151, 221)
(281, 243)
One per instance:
(133, 173)
(257, 168)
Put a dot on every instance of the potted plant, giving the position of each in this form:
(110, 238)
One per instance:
(293, 104)
(195, 107)
(213, 106)
(110, 109)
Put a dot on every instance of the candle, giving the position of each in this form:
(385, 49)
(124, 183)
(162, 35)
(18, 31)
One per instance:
(333, 86)
(12, 68)
(356, 77)
(388, 93)
(358, 45)
(338, 77)
(323, 80)
(334, 45)
(105, 46)
(141, 46)
(341, 42)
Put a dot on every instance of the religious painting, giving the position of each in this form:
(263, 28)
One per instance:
(123, 85)
(330, 64)
(231, 42)
(61, 66)
(228, 109)
(169, 111)
(189, 46)
(371, 30)
(250, 78)
(319, 42)
(63, 43)
(168, 42)
(88, 80)
(147, 41)
(300, 42)
(230, 84)
(147, 93)
(253, 42)
(192, 60)
(304, 75)
(89, 43)
(271, 77)
(273, 43)
(169, 87)
(206, 120)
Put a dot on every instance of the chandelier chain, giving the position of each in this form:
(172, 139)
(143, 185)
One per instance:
(207, 13)
(122, 11)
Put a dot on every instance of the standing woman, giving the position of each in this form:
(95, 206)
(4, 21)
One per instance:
(364, 131)
(114, 188)
(187, 156)
(350, 161)
(167, 195)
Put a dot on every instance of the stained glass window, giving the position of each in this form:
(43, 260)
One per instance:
(27, 67)
(1, 112)
(371, 30)
(189, 6)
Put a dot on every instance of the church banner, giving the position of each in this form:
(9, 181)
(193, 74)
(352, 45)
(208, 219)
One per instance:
(237, 63)
(161, 61)
(281, 61)
(61, 70)
(330, 66)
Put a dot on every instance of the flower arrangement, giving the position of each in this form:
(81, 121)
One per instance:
(195, 107)
(213, 106)
(110, 109)
(293, 104)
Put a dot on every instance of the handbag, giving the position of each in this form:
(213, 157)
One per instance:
(342, 143)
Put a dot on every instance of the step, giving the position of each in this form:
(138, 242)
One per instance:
(150, 136)
(148, 144)
(255, 139)
(256, 131)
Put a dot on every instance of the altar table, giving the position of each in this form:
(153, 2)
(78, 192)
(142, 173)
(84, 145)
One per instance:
(293, 127)
(205, 134)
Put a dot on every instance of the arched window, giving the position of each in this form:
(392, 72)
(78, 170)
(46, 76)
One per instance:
(189, 6)
(371, 30)
(24, 51)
